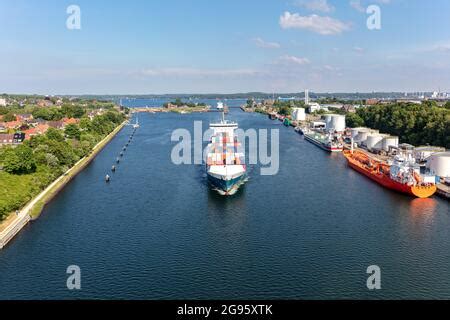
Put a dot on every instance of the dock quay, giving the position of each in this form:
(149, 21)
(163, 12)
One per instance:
(443, 191)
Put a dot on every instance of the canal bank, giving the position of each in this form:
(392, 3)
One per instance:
(34, 208)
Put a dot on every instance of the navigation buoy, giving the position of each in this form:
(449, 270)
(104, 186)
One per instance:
(107, 178)
(117, 160)
(113, 169)
(121, 154)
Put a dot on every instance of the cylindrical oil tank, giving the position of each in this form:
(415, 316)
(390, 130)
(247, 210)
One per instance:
(439, 164)
(362, 135)
(355, 132)
(374, 141)
(422, 153)
(389, 141)
(327, 120)
(299, 114)
(337, 122)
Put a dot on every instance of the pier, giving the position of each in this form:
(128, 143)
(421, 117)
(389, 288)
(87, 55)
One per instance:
(443, 191)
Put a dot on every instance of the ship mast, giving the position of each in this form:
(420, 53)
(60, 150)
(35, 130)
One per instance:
(220, 107)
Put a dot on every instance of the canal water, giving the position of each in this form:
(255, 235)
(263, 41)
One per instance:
(157, 231)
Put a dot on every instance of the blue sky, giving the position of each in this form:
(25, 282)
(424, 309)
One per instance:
(223, 46)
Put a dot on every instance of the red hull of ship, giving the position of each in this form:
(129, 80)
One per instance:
(387, 182)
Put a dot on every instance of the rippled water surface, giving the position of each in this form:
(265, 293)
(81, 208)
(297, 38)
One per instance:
(157, 231)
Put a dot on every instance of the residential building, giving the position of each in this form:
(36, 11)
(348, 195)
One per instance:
(56, 124)
(24, 117)
(11, 139)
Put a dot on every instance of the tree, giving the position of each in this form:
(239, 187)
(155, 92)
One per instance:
(19, 160)
(54, 134)
(85, 124)
(353, 120)
(72, 131)
(3, 110)
(49, 114)
(9, 117)
(72, 111)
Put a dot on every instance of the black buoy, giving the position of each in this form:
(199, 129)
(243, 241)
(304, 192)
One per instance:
(113, 169)
(107, 178)
(124, 148)
(121, 154)
(117, 160)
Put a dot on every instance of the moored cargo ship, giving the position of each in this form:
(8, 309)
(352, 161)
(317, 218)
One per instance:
(327, 141)
(403, 175)
(225, 165)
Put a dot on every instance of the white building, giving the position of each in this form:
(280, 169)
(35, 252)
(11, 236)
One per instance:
(2, 102)
(298, 114)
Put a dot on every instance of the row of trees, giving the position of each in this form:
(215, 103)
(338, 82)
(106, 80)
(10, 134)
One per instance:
(414, 124)
(179, 103)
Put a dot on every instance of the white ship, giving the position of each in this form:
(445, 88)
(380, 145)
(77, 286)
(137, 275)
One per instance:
(225, 165)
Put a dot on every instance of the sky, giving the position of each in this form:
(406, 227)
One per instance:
(223, 46)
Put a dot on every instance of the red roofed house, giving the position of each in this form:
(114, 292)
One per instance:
(71, 121)
(24, 117)
(56, 124)
(39, 129)
(11, 139)
(12, 124)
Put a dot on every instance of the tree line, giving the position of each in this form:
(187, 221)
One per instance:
(412, 123)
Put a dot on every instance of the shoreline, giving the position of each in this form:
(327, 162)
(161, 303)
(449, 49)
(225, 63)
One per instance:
(32, 210)
(179, 110)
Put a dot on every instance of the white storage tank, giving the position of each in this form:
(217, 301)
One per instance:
(439, 164)
(298, 114)
(421, 154)
(362, 135)
(327, 120)
(338, 122)
(374, 141)
(389, 141)
(355, 132)
(335, 122)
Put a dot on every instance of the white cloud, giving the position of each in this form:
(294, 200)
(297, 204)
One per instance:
(315, 5)
(264, 44)
(358, 50)
(356, 4)
(314, 23)
(330, 68)
(287, 59)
